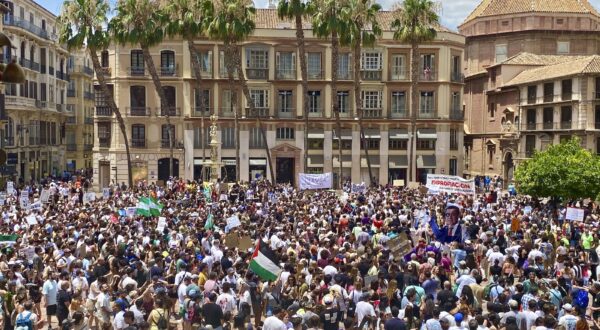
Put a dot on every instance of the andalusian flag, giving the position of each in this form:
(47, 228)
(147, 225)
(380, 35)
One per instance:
(8, 239)
(148, 207)
(264, 262)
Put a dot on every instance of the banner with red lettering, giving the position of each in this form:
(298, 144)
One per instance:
(438, 183)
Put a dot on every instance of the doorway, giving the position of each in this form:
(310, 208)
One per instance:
(163, 168)
(509, 168)
(104, 174)
(285, 170)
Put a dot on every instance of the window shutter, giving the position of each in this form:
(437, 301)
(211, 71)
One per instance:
(379, 100)
(209, 64)
(380, 55)
(266, 98)
(222, 61)
(277, 54)
(350, 63)
(362, 61)
(294, 61)
(432, 62)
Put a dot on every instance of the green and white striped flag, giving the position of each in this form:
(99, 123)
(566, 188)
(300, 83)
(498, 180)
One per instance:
(155, 207)
(149, 207)
(143, 208)
(8, 239)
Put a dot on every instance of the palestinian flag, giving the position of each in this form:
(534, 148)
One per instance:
(8, 239)
(264, 262)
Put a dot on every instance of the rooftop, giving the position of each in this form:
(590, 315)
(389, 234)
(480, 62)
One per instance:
(577, 65)
(525, 58)
(489, 8)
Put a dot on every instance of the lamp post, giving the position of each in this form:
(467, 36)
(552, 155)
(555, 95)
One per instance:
(215, 165)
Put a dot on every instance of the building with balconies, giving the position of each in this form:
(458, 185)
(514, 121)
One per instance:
(33, 136)
(79, 126)
(503, 39)
(271, 65)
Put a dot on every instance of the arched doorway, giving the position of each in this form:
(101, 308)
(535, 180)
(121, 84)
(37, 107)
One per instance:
(163, 168)
(509, 168)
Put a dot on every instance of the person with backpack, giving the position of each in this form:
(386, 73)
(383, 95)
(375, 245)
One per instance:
(160, 315)
(27, 319)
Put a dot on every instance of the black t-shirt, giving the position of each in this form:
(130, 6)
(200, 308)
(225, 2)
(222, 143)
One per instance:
(447, 299)
(495, 270)
(394, 324)
(497, 307)
(330, 318)
(213, 314)
(596, 303)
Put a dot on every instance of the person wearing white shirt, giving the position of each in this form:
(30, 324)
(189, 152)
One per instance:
(364, 309)
(494, 255)
(138, 316)
(227, 300)
(182, 290)
(275, 322)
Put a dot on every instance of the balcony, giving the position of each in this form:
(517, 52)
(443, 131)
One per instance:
(137, 71)
(566, 96)
(398, 73)
(457, 77)
(315, 112)
(35, 66)
(51, 70)
(88, 147)
(285, 74)
(25, 63)
(71, 147)
(88, 120)
(60, 107)
(398, 113)
(26, 25)
(19, 101)
(104, 111)
(203, 74)
(169, 111)
(565, 125)
(138, 143)
(223, 74)
(9, 141)
(428, 75)
(315, 74)
(345, 113)
(258, 112)
(168, 71)
(371, 113)
(345, 74)
(201, 112)
(71, 93)
(227, 112)
(165, 143)
(62, 75)
(138, 111)
(70, 109)
(286, 113)
(43, 69)
(104, 142)
(427, 114)
(456, 115)
(255, 73)
(41, 104)
(370, 75)
(548, 98)
(88, 95)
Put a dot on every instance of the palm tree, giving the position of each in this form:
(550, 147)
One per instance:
(142, 22)
(327, 23)
(415, 23)
(298, 10)
(363, 30)
(82, 25)
(186, 18)
(232, 23)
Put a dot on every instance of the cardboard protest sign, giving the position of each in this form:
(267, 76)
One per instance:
(232, 240)
(398, 183)
(89, 197)
(45, 195)
(32, 220)
(245, 243)
(24, 200)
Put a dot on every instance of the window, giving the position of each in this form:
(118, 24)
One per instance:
(260, 97)
(567, 89)
(171, 101)
(346, 144)
(137, 62)
(43, 92)
(104, 58)
(206, 61)
(548, 117)
(529, 145)
(531, 118)
(565, 117)
(284, 133)
(202, 100)
(425, 144)
(10, 132)
(371, 99)
(398, 67)
(198, 143)
(285, 102)
(256, 138)
(223, 66)
(597, 117)
(314, 101)
(257, 58)
(455, 66)
(167, 130)
(453, 166)
(104, 134)
(228, 137)
(286, 65)
(227, 98)
(315, 144)
(501, 53)
(398, 144)
(548, 92)
(314, 65)
(456, 106)
(137, 96)
(426, 103)
(531, 94)
(491, 150)
(345, 66)
(453, 139)
(371, 61)
(138, 135)
(372, 144)
(167, 62)
(562, 47)
(428, 62)
(398, 103)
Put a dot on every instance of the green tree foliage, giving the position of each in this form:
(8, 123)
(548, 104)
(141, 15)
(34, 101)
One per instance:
(564, 170)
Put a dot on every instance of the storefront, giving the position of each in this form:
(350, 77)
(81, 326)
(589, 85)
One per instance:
(425, 165)
(397, 168)
(228, 169)
(258, 168)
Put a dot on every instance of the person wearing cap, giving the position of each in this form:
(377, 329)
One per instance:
(514, 309)
(458, 319)
(568, 320)
(331, 316)
(452, 230)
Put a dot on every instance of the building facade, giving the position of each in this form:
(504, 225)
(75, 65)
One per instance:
(79, 112)
(496, 32)
(271, 65)
(33, 135)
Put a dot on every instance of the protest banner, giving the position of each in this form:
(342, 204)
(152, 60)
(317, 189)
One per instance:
(413, 185)
(232, 222)
(35, 206)
(10, 188)
(2, 198)
(575, 214)
(398, 183)
(399, 246)
(106, 193)
(439, 183)
(32, 220)
(24, 200)
(130, 211)
(45, 195)
(315, 181)
(358, 188)
(162, 223)
(89, 197)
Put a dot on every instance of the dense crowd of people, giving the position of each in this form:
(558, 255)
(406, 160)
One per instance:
(486, 262)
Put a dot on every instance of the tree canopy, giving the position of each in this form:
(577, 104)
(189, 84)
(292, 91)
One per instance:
(564, 170)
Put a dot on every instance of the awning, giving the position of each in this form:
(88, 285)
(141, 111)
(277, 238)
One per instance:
(427, 133)
(229, 162)
(315, 161)
(426, 161)
(316, 134)
(198, 161)
(346, 161)
(398, 161)
(398, 134)
(258, 162)
(374, 161)
(346, 134)
(372, 134)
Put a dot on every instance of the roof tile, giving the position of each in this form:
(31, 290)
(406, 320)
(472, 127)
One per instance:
(578, 65)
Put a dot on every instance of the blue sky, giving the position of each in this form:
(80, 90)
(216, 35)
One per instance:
(453, 11)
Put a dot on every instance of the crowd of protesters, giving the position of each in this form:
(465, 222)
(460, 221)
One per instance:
(492, 261)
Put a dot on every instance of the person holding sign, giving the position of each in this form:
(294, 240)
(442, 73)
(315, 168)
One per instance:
(453, 231)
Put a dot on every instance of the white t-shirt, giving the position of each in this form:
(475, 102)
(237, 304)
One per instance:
(363, 309)
(49, 290)
(119, 322)
(273, 323)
